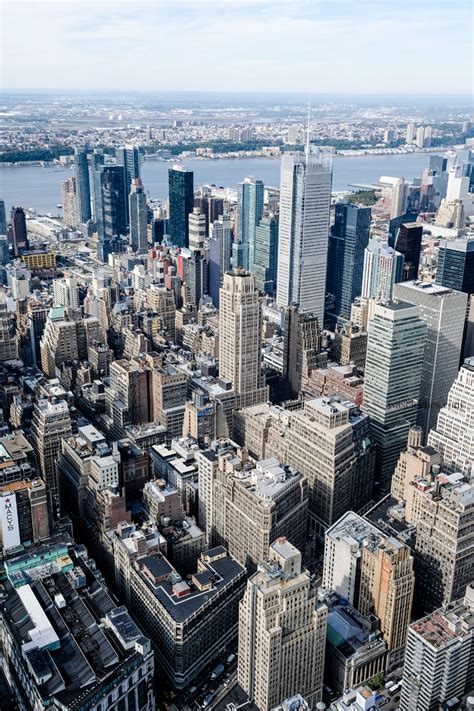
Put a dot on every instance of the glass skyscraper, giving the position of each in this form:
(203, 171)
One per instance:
(265, 261)
(181, 202)
(3, 218)
(113, 208)
(456, 265)
(97, 160)
(249, 212)
(347, 242)
(138, 217)
(129, 158)
(82, 186)
(408, 242)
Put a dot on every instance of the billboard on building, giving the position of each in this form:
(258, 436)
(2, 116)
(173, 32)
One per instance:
(9, 521)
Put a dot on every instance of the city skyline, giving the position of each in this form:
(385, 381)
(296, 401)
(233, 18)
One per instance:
(97, 47)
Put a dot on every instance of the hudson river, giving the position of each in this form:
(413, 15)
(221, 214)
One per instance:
(39, 188)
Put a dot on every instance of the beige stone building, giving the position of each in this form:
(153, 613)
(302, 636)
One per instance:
(282, 631)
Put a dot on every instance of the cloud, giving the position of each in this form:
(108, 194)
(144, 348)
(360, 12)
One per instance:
(244, 45)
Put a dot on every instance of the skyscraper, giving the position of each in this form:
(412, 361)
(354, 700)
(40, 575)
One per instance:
(240, 337)
(282, 631)
(438, 661)
(20, 233)
(114, 208)
(443, 310)
(129, 158)
(302, 345)
(305, 196)
(69, 202)
(408, 242)
(374, 572)
(410, 133)
(138, 217)
(3, 218)
(181, 203)
(347, 241)
(393, 370)
(249, 212)
(456, 265)
(97, 160)
(453, 435)
(50, 424)
(82, 186)
(383, 267)
(220, 250)
(399, 198)
(265, 261)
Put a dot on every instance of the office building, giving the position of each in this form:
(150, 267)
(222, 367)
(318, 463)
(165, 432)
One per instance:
(4, 250)
(195, 266)
(137, 208)
(207, 461)
(443, 310)
(8, 344)
(82, 186)
(19, 230)
(69, 202)
(129, 398)
(97, 160)
(328, 441)
(265, 262)
(348, 240)
(407, 241)
(240, 337)
(393, 372)
(3, 218)
(374, 572)
(26, 515)
(114, 209)
(220, 251)
(341, 380)
(66, 292)
(169, 397)
(355, 648)
(190, 622)
(129, 158)
(50, 424)
(59, 341)
(302, 346)
(456, 265)
(383, 267)
(350, 345)
(282, 631)
(181, 203)
(249, 212)
(453, 435)
(66, 645)
(305, 197)
(254, 503)
(399, 198)
(439, 657)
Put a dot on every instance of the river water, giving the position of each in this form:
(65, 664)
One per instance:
(39, 188)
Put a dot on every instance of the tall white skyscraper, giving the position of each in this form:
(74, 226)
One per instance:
(240, 337)
(305, 197)
(393, 369)
(399, 198)
(410, 134)
(453, 435)
(444, 312)
(383, 267)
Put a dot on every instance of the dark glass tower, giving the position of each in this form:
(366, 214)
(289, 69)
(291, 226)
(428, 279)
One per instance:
(249, 212)
(408, 242)
(347, 242)
(20, 234)
(129, 159)
(113, 207)
(97, 161)
(3, 218)
(82, 186)
(456, 265)
(181, 202)
(265, 263)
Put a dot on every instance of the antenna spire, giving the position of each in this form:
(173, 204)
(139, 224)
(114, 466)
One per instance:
(307, 130)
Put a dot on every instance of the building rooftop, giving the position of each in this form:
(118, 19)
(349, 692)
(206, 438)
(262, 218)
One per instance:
(449, 623)
(361, 533)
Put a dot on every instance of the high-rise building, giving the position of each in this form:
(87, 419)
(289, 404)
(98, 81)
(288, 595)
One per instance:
(58, 342)
(374, 573)
(453, 435)
(181, 203)
(240, 337)
(348, 239)
(443, 310)
(8, 343)
(439, 657)
(129, 398)
(254, 503)
(328, 441)
(249, 212)
(3, 218)
(282, 631)
(69, 202)
(97, 160)
(456, 265)
(220, 252)
(399, 198)
(410, 133)
(66, 292)
(20, 232)
(407, 241)
(114, 208)
(30, 516)
(129, 158)
(393, 371)
(302, 346)
(383, 267)
(137, 206)
(305, 197)
(51, 423)
(420, 137)
(265, 262)
(82, 186)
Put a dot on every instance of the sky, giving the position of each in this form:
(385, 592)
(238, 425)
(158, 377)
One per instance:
(307, 46)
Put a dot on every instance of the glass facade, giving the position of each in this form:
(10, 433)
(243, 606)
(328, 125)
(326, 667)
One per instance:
(82, 186)
(181, 203)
